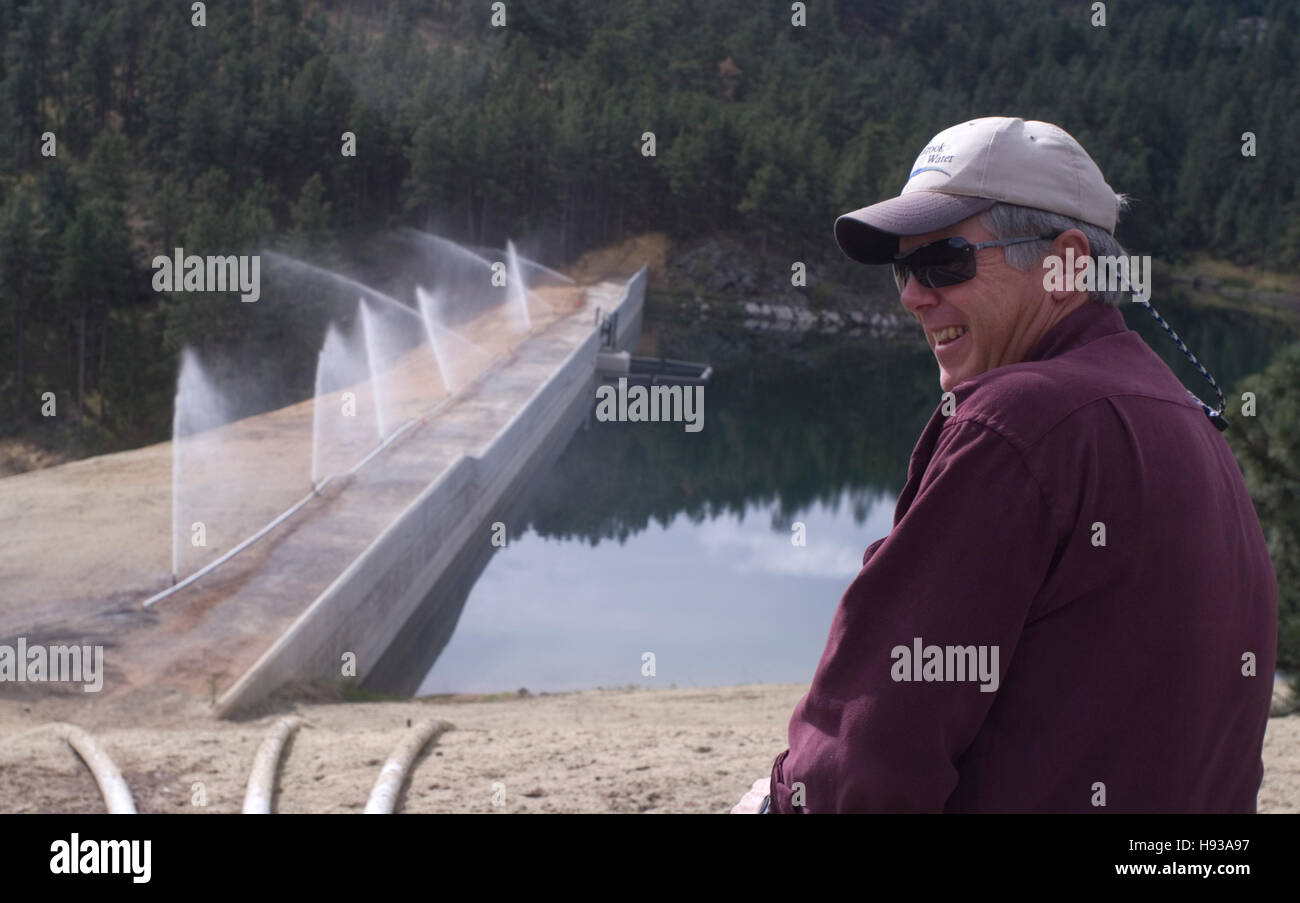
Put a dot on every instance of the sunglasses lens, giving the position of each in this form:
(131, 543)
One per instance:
(943, 263)
(941, 276)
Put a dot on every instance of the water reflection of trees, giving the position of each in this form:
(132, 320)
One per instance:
(800, 421)
(790, 422)
(1230, 343)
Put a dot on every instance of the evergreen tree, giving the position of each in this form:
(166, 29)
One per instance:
(1268, 446)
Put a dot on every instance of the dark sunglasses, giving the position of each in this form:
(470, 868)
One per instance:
(948, 261)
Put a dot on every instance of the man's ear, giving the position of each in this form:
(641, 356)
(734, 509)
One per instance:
(1069, 255)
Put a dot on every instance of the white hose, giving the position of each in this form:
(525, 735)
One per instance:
(266, 764)
(383, 799)
(117, 796)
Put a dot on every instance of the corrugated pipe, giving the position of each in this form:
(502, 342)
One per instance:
(117, 796)
(383, 799)
(266, 765)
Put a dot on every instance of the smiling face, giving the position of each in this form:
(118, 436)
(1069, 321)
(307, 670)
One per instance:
(987, 322)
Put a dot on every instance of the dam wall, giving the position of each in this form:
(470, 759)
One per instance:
(364, 609)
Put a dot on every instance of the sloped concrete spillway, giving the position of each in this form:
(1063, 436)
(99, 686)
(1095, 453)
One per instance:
(379, 560)
(416, 572)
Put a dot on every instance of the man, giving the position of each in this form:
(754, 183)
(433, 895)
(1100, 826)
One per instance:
(1074, 610)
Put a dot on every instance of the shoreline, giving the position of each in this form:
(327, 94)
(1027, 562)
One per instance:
(641, 750)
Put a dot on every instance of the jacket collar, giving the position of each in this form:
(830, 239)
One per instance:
(1091, 321)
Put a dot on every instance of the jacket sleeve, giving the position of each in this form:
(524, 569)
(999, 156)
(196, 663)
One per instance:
(961, 568)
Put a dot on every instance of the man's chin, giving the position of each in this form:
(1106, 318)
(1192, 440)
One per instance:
(951, 379)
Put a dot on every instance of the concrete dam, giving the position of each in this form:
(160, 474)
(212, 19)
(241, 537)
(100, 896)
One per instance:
(358, 579)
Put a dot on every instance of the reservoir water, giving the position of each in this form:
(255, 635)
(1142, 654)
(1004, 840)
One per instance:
(644, 538)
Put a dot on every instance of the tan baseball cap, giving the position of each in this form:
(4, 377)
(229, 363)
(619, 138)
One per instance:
(967, 168)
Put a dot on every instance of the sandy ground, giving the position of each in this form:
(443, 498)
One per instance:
(622, 259)
(631, 751)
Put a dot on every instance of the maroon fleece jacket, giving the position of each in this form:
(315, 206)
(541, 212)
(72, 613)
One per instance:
(1079, 528)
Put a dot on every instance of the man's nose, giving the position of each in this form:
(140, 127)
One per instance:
(917, 297)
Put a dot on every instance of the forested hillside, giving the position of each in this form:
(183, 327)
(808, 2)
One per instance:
(226, 138)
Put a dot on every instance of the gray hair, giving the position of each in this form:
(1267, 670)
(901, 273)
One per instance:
(1013, 221)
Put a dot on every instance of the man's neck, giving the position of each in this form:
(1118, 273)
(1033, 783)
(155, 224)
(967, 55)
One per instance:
(1085, 322)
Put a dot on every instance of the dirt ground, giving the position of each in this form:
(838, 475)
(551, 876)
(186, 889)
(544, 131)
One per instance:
(629, 751)
(622, 259)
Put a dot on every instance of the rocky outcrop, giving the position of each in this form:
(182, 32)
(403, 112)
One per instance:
(777, 318)
(722, 276)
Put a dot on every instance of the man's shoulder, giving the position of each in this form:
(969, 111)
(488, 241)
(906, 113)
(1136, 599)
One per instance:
(1023, 402)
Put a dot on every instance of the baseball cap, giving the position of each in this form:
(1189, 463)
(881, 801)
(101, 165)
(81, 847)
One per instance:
(966, 169)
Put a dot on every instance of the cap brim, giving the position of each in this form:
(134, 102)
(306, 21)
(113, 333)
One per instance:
(870, 235)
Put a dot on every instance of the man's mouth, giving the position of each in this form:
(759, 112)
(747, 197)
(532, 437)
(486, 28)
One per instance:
(947, 335)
